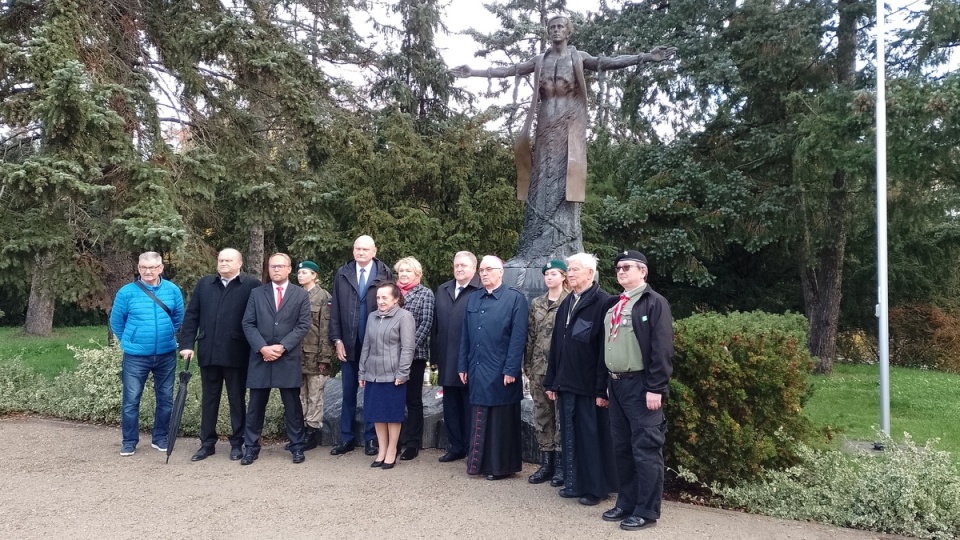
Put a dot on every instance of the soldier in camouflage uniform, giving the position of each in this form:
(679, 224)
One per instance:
(543, 311)
(317, 352)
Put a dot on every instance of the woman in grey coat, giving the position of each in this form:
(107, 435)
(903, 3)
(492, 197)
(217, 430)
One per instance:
(385, 360)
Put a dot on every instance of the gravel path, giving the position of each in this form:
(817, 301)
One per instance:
(60, 479)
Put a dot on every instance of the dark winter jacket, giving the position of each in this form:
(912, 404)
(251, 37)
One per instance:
(447, 328)
(653, 326)
(574, 363)
(345, 307)
(212, 321)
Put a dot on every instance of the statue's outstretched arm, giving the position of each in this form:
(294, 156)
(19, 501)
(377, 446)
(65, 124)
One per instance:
(524, 68)
(657, 54)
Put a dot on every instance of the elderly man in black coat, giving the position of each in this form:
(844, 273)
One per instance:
(212, 324)
(449, 309)
(275, 322)
(577, 378)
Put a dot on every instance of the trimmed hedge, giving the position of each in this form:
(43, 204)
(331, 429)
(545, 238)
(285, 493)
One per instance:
(739, 383)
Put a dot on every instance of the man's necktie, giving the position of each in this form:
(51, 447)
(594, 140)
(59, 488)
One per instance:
(615, 316)
(459, 290)
(362, 282)
(279, 297)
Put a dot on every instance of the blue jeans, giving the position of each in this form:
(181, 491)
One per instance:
(134, 377)
(350, 383)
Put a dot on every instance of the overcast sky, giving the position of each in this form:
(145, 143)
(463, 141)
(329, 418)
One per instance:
(461, 15)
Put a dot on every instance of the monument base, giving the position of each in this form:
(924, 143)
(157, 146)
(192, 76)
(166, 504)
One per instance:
(525, 276)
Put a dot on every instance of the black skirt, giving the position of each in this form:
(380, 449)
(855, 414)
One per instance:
(495, 442)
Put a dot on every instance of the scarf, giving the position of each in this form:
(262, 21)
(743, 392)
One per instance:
(616, 315)
(404, 289)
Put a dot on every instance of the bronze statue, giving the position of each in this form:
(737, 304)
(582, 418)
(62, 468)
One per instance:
(553, 180)
(560, 104)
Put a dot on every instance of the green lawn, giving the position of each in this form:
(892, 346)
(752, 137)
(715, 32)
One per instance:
(49, 355)
(925, 404)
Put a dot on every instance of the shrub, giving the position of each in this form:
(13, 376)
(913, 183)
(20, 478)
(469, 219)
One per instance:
(20, 386)
(925, 336)
(739, 380)
(93, 393)
(907, 490)
(857, 347)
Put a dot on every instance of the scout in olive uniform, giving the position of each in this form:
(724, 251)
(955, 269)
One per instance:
(638, 352)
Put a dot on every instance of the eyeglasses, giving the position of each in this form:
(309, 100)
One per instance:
(279, 266)
(626, 267)
(488, 270)
(150, 268)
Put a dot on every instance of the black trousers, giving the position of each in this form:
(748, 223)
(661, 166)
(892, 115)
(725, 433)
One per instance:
(212, 381)
(638, 435)
(411, 432)
(456, 418)
(292, 417)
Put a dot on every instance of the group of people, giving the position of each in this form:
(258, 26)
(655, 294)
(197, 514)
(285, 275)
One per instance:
(598, 365)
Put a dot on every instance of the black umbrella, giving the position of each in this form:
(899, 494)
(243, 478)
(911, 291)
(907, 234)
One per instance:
(178, 404)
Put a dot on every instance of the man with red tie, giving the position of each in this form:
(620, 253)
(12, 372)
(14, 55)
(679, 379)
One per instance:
(638, 352)
(275, 322)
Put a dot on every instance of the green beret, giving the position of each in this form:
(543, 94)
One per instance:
(309, 265)
(555, 265)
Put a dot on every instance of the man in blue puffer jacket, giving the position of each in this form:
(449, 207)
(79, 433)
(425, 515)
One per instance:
(147, 335)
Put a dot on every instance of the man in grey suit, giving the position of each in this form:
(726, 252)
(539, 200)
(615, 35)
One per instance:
(276, 320)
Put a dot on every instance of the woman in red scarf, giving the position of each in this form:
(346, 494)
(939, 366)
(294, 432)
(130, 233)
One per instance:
(418, 300)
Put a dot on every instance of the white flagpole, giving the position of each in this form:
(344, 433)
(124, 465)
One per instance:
(883, 301)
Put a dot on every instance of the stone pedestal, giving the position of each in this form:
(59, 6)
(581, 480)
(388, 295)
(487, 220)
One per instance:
(527, 274)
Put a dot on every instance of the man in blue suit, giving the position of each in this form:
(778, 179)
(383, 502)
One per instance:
(354, 297)
(145, 317)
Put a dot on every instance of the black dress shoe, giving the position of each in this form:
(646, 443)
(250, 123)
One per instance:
(249, 458)
(635, 523)
(370, 448)
(342, 448)
(589, 500)
(203, 454)
(450, 456)
(236, 453)
(615, 514)
(409, 453)
(376, 464)
(497, 476)
(387, 466)
(298, 456)
(568, 493)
